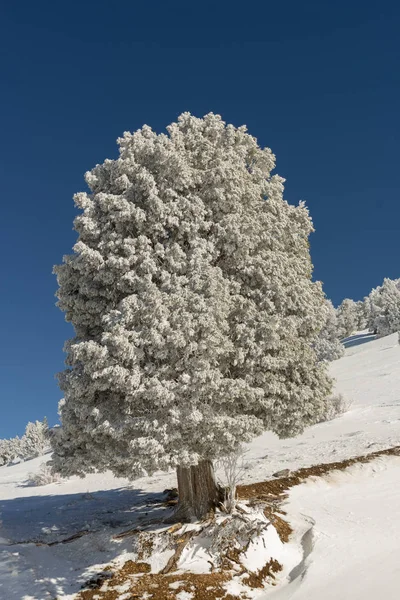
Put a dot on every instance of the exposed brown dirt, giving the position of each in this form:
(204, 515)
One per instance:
(207, 586)
(274, 490)
(282, 527)
(268, 494)
(257, 580)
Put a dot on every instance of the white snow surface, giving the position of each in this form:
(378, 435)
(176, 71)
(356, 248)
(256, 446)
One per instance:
(346, 538)
(352, 547)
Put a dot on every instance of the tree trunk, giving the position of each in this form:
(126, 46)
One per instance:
(198, 491)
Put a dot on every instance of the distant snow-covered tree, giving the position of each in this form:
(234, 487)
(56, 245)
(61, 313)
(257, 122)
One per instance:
(387, 317)
(4, 452)
(191, 297)
(10, 450)
(361, 314)
(35, 441)
(327, 345)
(372, 308)
(383, 308)
(347, 318)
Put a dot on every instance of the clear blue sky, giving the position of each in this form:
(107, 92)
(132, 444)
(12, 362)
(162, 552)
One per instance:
(318, 82)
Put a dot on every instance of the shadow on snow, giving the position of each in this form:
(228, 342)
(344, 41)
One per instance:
(357, 340)
(28, 565)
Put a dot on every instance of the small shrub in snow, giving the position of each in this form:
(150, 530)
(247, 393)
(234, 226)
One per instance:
(233, 468)
(336, 405)
(245, 532)
(44, 476)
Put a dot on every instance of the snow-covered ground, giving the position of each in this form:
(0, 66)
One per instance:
(352, 549)
(348, 521)
(369, 376)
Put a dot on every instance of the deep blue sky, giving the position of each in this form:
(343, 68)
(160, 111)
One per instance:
(318, 82)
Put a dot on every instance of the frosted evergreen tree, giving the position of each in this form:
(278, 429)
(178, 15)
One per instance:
(327, 345)
(372, 308)
(35, 441)
(10, 450)
(347, 318)
(362, 315)
(383, 308)
(191, 297)
(4, 452)
(387, 302)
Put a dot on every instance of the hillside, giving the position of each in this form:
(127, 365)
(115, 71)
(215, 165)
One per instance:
(345, 541)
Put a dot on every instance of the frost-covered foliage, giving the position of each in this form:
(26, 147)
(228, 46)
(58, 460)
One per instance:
(191, 297)
(379, 311)
(384, 308)
(388, 320)
(337, 405)
(347, 318)
(10, 450)
(35, 442)
(44, 476)
(327, 345)
(362, 315)
(372, 308)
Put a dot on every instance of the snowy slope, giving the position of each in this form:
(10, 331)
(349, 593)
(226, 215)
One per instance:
(369, 376)
(350, 510)
(352, 548)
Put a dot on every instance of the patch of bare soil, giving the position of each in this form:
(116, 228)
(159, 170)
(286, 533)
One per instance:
(282, 527)
(165, 585)
(156, 586)
(274, 491)
(257, 580)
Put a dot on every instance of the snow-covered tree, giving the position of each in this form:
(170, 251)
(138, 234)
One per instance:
(387, 308)
(4, 452)
(327, 345)
(362, 315)
(191, 297)
(347, 318)
(10, 450)
(383, 308)
(35, 441)
(372, 308)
